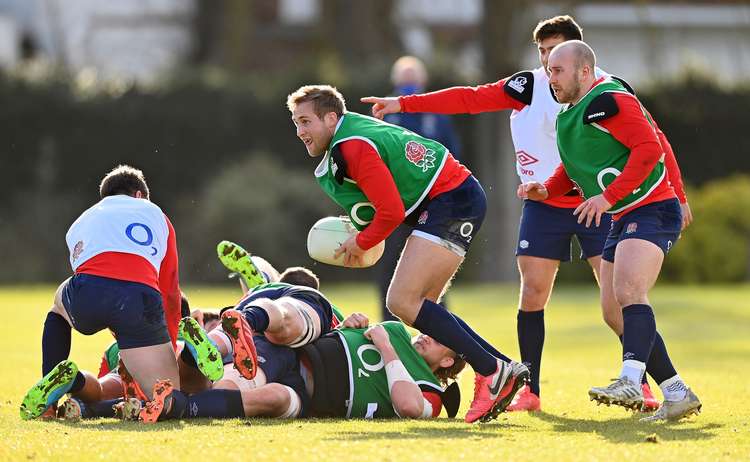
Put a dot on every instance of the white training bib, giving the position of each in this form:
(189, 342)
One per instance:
(119, 224)
(534, 132)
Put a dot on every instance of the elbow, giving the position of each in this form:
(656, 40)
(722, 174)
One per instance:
(410, 409)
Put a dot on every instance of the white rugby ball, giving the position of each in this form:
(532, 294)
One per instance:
(328, 234)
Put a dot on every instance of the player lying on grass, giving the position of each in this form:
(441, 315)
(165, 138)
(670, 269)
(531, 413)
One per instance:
(123, 254)
(353, 372)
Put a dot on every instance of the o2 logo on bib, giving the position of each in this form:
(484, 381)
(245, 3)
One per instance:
(141, 235)
(375, 362)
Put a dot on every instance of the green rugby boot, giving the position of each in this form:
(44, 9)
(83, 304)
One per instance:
(48, 391)
(205, 352)
(237, 260)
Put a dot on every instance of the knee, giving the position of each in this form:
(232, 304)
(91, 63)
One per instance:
(533, 294)
(628, 294)
(403, 304)
(57, 308)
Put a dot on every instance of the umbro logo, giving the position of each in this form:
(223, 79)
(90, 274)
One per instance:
(524, 158)
(518, 84)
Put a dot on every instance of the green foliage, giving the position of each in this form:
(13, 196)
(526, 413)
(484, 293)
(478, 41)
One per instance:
(716, 247)
(259, 203)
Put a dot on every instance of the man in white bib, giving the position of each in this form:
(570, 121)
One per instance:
(123, 253)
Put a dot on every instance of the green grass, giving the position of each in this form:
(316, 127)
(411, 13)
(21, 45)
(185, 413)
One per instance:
(706, 329)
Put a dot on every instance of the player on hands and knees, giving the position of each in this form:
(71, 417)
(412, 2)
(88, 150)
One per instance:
(611, 153)
(384, 175)
(123, 254)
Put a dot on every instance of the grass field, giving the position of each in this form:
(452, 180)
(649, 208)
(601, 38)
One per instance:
(707, 330)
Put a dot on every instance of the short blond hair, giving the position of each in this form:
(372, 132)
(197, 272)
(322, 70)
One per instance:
(325, 99)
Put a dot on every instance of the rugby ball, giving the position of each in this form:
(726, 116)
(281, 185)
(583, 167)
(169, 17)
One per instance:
(328, 234)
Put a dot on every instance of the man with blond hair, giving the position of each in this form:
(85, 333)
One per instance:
(383, 175)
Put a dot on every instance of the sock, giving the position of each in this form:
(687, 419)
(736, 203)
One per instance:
(659, 365)
(639, 332)
(256, 317)
(78, 383)
(644, 380)
(530, 343)
(633, 370)
(674, 389)
(216, 403)
(55, 341)
(438, 323)
(188, 358)
(100, 408)
(478, 338)
(221, 338)
(179, 406)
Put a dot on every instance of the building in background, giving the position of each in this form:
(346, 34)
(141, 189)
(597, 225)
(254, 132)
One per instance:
(142, 39)
(124, 39)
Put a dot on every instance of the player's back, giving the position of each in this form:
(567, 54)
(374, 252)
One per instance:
(120, 224)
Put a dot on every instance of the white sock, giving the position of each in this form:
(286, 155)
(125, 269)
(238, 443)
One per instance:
(633, 370)
(223, 343)
(674, 389)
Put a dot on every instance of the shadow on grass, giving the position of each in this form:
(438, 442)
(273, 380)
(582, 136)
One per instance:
(442, 429)
(119, 425)
(438, 428)
(630, 429)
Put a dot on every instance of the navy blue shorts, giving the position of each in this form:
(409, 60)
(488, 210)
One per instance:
(133, 311)
(280, 364)
(452, 218)
(546, 232)
(659, 223)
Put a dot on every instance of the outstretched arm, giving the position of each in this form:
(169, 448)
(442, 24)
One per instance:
(454, 100)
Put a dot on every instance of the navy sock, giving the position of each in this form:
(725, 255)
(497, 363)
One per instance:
(216, 403)
(179, 406)
(55, 341)
(478, 338)
(78, 383)
(438, 323)
(187, 357)
(256, 317)
(639, 332)
(659, 365)
(530, 326)
(100, 408)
